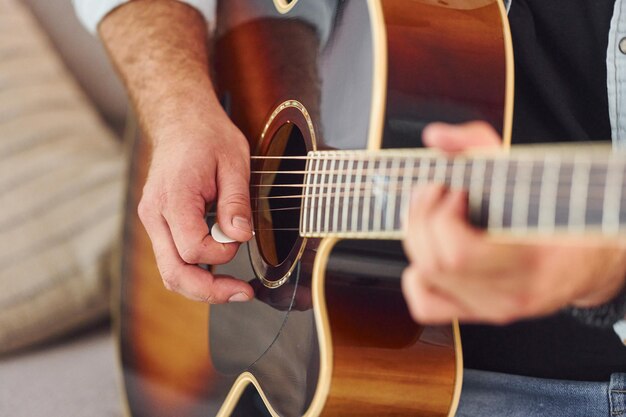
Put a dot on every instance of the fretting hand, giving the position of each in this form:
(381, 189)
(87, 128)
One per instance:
(458, 271)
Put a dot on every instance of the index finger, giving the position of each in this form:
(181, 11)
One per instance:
(184, 215)
(457, 138)
(190, 280)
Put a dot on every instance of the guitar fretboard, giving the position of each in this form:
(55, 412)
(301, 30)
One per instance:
(366, 195)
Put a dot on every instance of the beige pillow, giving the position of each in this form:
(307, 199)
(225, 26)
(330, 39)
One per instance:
(61, 185)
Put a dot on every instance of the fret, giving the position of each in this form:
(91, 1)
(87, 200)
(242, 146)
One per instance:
(597, 187)
(331, 216)
(407, 182)
(507, 210)
(357, 196)
(441, 166)
(320, 192)
(564, 192)
(579, 193)
(532, 216)
(467, 172)
(313, 193)
(305, 209)
(378, 187)
(346, 191)
(313, 175)
(476, 188)
(393, 193)
(611, 205)
(548, 194)
(458, 173)
(497, 194)
(331, 191)
(423, 172)
(521, 195)
(367, 195)
(339, 178)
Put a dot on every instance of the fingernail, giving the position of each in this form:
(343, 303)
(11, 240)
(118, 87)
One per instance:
(240, 297)
(242, 223)
(219, 235)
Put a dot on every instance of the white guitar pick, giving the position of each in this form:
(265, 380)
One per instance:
(219, 235)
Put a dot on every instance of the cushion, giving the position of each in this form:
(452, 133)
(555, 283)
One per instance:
(61, 185)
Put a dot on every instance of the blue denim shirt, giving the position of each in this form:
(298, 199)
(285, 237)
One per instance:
(616, 73)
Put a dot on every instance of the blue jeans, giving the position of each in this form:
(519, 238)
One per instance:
(489, 394)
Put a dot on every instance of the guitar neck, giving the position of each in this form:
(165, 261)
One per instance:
(366, 195)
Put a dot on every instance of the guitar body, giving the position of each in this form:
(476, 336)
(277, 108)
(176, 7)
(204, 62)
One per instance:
(329, 333)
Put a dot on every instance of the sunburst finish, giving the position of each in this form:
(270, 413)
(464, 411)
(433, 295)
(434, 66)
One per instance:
(334, 338)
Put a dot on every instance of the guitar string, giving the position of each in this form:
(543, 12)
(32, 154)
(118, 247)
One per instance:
(595, 194)
(338, 185)
(416, 181)
(432, 165)
(396, 227)
(549, 157)
(398, 172)
(362, 206)
(534, 203)
(449, 177)
(382, 165)
(591, 186)
(560, 212)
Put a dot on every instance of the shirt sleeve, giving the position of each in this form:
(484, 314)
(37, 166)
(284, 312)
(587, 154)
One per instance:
(91, 12)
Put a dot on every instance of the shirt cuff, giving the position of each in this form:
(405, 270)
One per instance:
(90, 12)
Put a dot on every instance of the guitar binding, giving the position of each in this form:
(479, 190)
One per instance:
(278, 246)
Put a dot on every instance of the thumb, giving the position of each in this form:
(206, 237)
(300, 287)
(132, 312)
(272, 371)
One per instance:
(233, 202)
(457, 138)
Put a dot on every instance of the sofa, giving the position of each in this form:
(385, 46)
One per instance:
(62, 171)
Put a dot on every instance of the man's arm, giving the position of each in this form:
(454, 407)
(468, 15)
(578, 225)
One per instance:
(159, 47)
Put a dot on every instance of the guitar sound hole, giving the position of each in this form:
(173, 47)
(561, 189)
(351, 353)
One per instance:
(278, 200)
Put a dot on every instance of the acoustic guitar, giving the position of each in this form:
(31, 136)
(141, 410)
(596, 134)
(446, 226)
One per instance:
(333, 96)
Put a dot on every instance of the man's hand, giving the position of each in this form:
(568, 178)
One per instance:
(458, 271)
(199, 156)
(212, 162)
